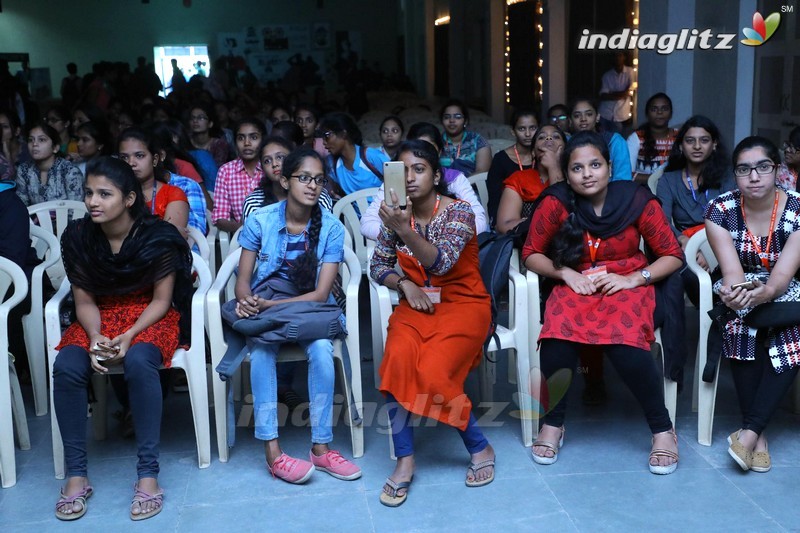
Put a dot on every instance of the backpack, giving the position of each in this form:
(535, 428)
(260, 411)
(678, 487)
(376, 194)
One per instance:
(494, 256)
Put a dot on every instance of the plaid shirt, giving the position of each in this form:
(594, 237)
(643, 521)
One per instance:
(232, 187)
(197, 201)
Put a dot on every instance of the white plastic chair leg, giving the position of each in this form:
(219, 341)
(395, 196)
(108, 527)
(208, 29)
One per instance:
(198, 396)
(8, 465)
(35, 347)
(18, 409)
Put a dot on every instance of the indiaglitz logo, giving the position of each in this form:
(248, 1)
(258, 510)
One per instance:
(762, 29)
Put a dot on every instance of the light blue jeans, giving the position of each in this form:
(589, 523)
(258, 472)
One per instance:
(321, 378)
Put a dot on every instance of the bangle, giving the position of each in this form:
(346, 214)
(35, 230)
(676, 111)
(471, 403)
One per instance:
(399, 289)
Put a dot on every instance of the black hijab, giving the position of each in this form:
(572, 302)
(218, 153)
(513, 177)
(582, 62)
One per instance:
(152, 250)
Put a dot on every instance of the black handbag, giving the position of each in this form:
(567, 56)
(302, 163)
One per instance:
(774, 315)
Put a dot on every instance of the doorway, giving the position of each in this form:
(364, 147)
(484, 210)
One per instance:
(191, 59)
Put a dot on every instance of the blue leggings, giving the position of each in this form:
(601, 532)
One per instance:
(71, 373)
(403, 433)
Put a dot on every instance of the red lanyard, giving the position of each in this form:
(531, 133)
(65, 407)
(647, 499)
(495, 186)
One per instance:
(519, 161)
(763, 255)
(594, 244)
(435, 208)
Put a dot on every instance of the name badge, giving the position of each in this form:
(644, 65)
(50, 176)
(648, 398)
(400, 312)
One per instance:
(595, 272)
(434, 294)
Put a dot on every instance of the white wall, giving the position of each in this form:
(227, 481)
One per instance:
(55, 32)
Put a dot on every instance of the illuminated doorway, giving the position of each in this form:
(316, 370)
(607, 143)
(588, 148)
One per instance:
(191, 59)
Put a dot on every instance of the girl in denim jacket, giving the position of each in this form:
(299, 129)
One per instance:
(297, 241)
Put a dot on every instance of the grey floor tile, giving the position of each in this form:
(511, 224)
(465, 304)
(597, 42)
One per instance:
(688, 500)
(773, 491)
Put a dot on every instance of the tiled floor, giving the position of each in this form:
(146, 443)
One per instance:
(600, 483)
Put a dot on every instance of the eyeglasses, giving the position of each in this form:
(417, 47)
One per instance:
(305, 179)
(457, 116)
(53, 120)
(742, 171)
(198, 118)
(557, 118)
(328, 134)
(789, 148)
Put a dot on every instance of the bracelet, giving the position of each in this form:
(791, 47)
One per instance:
(399, 289)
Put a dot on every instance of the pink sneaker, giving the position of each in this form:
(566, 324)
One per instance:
(336, 465)
(290, 469)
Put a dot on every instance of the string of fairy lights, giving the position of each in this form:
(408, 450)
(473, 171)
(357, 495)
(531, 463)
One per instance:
(635, 60)
(539, 15)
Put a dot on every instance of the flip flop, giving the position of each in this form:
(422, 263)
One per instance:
(393, 500)
(141, 497)
(81, 498)
(474, 467)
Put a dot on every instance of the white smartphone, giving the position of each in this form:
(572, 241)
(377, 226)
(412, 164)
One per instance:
(394, 177)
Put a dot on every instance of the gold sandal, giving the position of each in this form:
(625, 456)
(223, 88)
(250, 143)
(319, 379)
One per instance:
(661, 452)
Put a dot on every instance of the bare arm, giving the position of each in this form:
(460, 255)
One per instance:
(483, 160)
(510, 211)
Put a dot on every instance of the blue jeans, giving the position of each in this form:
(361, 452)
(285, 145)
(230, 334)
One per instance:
(403, 433)
(321, 378)
(71, 373)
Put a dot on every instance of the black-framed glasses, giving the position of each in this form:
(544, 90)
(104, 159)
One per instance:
(789, 147)
(305, 179)
(742, 171)
(557, 118)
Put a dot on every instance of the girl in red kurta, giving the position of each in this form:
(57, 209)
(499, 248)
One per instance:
(436, 334)
(586, 233)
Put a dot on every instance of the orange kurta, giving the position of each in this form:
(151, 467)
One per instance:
(428, 356)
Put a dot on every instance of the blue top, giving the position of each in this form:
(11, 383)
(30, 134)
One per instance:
(361, 177)
(196, 199)
(620, 158)
(208, 167)
(265, 233)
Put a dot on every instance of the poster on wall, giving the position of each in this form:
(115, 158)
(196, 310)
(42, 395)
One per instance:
(321, 36)
(285, 37)
(293, 71)
(230, 44)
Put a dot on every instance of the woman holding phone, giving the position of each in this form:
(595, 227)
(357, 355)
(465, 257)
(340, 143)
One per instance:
(753, 231)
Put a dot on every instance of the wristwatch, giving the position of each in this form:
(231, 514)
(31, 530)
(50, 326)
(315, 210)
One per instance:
(646, 275)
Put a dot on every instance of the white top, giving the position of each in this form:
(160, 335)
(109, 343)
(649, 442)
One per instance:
(613, 81)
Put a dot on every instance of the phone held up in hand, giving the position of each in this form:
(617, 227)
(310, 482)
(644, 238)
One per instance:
(746, 285)
(394, 178)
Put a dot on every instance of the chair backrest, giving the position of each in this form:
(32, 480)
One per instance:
(478, 182)
(10, 274)
(349, 210)
(196, 237)
(652, 181)
(498, 145)
(48, 247)
(55, 215)
(699, 243)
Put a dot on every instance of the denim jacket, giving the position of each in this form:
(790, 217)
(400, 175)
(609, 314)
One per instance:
(264, 232)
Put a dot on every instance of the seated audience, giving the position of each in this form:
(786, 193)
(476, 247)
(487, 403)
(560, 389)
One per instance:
(464, 150)
(48, 176)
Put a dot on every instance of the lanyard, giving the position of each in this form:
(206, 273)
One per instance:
(414, 227)
(458, 147)
(691, 188)
(764, 256)
(519, 161)
(153, 200)
(593, 245)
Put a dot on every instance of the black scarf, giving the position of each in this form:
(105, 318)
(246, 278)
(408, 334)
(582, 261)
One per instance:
(152, 250)
(624, 204)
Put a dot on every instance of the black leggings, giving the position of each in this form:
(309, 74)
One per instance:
(759, 388)
(634, 365)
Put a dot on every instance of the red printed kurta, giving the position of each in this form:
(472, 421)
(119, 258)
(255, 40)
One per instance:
(625, 317)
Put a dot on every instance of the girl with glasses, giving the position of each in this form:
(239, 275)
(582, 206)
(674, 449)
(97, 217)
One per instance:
(753, 232)
(296, 248)
(463, 150)
(351, 165)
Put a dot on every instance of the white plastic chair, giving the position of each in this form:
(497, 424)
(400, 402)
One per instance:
(704, 394)
(652, 181)
(196, 237)
(478, 182)
(514, 337)
(54, 217)
(217, 295)
(217, 239)
(10, 394)
(49, 250)
(192, 361)
(347, 210)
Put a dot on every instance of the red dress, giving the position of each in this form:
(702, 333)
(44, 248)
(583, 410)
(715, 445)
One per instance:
(119, 313)
(625, 317)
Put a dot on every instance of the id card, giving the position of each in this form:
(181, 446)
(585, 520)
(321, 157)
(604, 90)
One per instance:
(595, 272)
(434, 294)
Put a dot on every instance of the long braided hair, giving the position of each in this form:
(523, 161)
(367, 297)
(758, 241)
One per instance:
(303, 272)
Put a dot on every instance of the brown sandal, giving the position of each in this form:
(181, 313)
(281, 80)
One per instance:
(660, 452)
